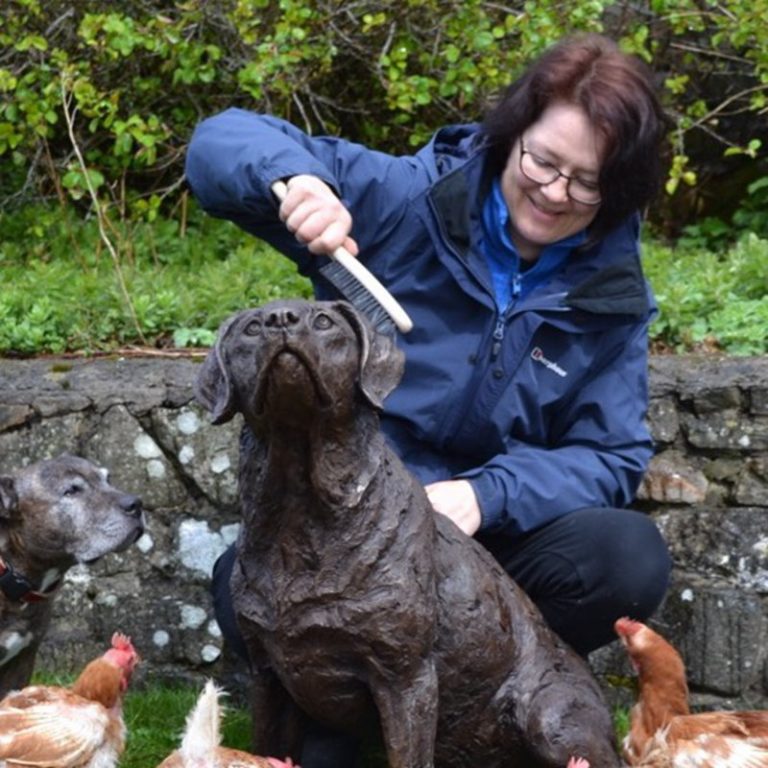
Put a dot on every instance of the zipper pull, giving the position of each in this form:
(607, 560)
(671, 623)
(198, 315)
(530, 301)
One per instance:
(517, 285)
(498, 337)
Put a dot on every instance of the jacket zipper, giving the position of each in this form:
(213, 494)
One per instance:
(501, 320)
(498, 337)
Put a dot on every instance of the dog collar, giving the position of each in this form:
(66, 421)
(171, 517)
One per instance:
(19, 589)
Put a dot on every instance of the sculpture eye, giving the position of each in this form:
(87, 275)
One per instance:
(253, 328)
(322, 322)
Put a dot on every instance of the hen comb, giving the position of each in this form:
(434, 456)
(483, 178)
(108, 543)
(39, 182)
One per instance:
(121, 642)
(626, 627)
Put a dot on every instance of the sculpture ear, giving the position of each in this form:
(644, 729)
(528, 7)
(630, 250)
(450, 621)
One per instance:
(381, 361)
(213, 386)
(8, 498)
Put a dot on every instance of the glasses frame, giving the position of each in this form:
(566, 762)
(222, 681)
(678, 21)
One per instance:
(558, 174)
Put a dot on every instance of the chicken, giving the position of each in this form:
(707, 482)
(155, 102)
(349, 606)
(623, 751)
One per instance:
(663, 733)
(79, 727)
(200, 745)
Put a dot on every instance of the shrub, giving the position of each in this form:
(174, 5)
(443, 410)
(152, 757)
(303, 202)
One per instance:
(138, 77)
(707, 298)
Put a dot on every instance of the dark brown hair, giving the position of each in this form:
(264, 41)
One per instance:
(615, 91)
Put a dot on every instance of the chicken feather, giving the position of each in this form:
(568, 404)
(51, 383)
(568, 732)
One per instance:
(200, 744)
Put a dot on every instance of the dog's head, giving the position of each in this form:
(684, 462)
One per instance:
(293, 361)
(63, 510)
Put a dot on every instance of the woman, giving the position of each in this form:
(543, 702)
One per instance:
(513, 245)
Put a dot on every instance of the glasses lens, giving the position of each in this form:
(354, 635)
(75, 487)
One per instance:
(582, 193)
(537, 170)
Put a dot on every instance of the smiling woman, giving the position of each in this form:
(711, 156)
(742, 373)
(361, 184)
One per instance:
(540, 194)
(513, 246)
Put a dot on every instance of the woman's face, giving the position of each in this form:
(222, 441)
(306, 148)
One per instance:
(542, 214)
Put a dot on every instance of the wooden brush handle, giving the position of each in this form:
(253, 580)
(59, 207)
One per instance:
(369, 281)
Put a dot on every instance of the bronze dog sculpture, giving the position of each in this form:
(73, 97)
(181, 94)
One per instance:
(356, 599)
(53, 514)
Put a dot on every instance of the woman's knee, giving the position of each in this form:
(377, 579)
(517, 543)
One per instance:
(591, 567)
(635, 561)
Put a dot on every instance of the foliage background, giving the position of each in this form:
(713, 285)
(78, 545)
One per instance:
(98, 101)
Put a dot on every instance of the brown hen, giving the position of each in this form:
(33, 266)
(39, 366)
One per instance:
(79, 727)
(663, 733)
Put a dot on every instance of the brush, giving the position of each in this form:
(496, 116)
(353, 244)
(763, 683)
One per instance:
(358, 286)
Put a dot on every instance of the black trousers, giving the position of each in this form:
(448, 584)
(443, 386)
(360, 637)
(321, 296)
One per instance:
(583, 571)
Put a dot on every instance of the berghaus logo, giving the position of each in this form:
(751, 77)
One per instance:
(538, 356)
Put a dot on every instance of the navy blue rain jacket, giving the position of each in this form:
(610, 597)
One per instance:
(542, 407)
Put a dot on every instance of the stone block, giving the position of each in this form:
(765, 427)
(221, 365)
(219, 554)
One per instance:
(759, 401)
(752, 485)
(135, 460)
(728, 546)
(14, 416)
(207, 455)
(662, 420)
(715, 399)
(670, 479)
(721, 633)
(728, 430)
(42, 440)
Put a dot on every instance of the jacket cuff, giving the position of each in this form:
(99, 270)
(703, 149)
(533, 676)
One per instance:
(491, 498)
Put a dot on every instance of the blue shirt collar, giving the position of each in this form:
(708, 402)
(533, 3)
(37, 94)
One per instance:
(503, 258)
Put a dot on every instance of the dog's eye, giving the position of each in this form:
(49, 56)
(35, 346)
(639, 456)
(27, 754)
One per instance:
(253, 328)
(73, 490)
(322, 322)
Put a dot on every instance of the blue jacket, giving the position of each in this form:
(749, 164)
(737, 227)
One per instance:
(542, 407)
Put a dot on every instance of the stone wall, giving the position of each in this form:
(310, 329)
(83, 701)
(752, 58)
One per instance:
(707, 487)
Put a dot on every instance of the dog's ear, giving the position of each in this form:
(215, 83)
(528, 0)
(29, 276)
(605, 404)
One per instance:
(381, 362)
(8, 498)
(213, 386)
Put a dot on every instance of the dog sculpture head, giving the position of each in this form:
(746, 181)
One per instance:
(297, 361)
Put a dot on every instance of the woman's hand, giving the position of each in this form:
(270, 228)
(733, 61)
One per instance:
(457, 501)
(317, 218)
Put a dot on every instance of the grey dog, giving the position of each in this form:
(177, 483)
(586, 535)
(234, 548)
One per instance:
(53, 514)
(358, 603)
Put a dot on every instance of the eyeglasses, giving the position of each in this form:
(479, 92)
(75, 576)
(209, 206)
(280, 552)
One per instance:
(543, 172)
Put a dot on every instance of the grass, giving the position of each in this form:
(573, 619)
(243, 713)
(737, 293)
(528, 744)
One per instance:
(155, 717)
(155, 720)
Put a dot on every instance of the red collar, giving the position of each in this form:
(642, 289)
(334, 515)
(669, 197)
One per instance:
(19, 589)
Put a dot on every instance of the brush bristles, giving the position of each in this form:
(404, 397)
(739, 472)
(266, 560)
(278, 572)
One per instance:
(359, 296)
